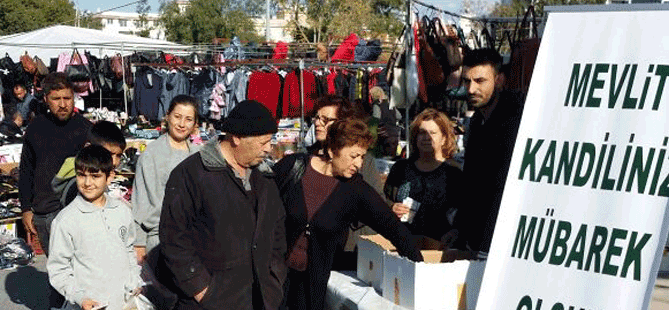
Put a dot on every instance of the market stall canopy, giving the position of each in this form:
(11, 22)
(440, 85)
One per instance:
(49, 42)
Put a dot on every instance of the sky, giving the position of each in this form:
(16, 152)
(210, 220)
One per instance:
(94, 5)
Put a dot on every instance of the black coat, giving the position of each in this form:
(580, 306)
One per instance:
(352, 200)
(487, 160)
(211, 237)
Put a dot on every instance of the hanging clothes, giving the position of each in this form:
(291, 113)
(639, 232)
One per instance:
(266, 88)
(291, 97)
(346, 49)
(175, 83)
(281, 50)
(202, 86)
(148, 89)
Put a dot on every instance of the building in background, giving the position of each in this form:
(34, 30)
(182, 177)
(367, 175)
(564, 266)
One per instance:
(128, 23)
(279, 26)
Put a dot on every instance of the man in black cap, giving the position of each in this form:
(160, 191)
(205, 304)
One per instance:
(222, 223)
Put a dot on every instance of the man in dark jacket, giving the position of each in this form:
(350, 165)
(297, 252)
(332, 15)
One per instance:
(493, 131)
(222, 224)
(48, 141)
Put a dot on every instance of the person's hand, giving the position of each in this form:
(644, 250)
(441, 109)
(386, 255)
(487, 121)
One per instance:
(198, 297)
(27, 218)
(141, 253)
(400, 209)
(88, 304)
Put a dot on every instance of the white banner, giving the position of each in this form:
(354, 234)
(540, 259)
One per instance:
(584, 216)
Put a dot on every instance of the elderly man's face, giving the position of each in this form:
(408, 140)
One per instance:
(252, 150)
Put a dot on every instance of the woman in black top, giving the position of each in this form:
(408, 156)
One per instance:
(323, 195)
(428, 176)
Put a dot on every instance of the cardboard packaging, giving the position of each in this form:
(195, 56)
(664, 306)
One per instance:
(432, 284)
(370, 261)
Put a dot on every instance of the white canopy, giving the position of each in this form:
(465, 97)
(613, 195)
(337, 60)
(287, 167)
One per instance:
(49, 42)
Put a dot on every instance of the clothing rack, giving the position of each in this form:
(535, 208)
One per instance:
(263, 62)
(300, 64)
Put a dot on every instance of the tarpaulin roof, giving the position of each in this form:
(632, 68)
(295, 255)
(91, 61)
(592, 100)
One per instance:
(51, 41)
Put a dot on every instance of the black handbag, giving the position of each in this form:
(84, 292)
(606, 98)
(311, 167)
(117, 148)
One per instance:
(76, 70)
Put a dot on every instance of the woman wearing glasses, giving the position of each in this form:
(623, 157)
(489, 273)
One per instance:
(323, 195)
(329, 109)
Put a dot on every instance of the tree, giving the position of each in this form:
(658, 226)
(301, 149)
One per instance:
(142, 23)
(27, 15)
(92, 22)
(204, 20)
(519, 7)
(331, 20)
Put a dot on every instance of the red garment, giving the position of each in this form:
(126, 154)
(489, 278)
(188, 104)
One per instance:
(281, 50)
(423, 92)
(331, 82)
(291, 99)
(346, 49)
(265, 87)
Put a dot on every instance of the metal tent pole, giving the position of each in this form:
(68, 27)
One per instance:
(123, 65)
(301, 141)
(408, 53)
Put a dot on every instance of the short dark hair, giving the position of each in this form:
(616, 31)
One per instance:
(483, 56)
(185, 100)
(56, 81)
(345, 108)
(347, 132)
(94, 158)
(105, 132)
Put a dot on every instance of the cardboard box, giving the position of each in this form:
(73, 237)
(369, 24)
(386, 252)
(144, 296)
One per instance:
(432, 284)
(370, 260)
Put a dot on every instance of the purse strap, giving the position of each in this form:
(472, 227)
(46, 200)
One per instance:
(531, 23)
(75, 55)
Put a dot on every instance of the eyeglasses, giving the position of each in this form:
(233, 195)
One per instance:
(324, 120)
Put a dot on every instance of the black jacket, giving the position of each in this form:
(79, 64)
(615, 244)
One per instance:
(487, 160)
(211, 237)
(351, 200)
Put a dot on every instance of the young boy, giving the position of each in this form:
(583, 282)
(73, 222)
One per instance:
(92, 262)
(103, 133)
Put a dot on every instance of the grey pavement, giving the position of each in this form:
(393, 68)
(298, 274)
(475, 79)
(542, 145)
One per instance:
(26, 288)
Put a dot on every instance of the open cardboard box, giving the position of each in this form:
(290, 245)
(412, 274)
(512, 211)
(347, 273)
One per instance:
(370, 260)
(434, 283)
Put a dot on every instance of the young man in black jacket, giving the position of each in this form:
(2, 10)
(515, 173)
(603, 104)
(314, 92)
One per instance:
(493, 131)
(222, 224)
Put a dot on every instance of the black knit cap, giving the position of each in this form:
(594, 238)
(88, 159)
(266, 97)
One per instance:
(249, 118)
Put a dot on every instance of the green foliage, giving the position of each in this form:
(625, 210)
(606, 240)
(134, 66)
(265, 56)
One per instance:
(28, 15)
(332, 20)
(205, 20)
(142, 22)
(91, 22)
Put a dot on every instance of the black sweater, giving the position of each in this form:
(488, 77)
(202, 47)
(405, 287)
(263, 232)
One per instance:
(351, 200)
(46, 144)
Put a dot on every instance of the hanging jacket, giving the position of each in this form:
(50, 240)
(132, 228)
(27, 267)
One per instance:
(148, 88)
(291, 96)
(266, 88)
(346, 49)
(281, 50)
